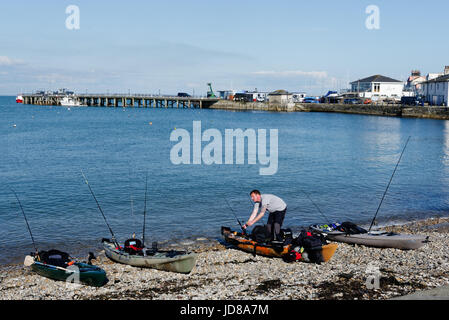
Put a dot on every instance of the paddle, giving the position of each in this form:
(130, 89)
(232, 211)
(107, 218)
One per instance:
(29, 261)
(56, 267)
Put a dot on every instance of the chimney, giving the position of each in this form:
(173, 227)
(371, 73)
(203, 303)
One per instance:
(446, 70)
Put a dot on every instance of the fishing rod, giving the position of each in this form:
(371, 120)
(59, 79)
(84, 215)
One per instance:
(132, 205)
(132, 214)
(102, 213)
(145, 210)
(316, 206)
(397, 164)
(244, 231)
(28, 226)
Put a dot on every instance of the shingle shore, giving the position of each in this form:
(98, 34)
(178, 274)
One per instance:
(354, 272)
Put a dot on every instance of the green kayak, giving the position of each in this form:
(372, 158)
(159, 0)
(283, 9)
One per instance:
(58, 265)
(77, 273)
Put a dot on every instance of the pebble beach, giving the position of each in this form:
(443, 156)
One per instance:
(222, 273)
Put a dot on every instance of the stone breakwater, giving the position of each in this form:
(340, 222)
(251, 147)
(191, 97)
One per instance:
(223, 273)
(440, 113)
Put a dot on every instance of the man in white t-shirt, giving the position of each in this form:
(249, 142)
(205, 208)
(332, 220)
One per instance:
(274, 205)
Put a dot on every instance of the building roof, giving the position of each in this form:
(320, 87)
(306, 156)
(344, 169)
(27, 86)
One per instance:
(279, 93)
(444, 78)
(376, 78)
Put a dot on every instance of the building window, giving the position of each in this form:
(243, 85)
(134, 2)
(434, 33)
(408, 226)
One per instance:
(377, 87)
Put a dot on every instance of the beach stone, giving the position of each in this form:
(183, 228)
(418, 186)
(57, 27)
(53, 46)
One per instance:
(223, 273)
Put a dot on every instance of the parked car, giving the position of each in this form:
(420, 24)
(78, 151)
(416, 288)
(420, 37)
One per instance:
(391, 101)
(352, 101)
(311, 100)
(412, 101)
(367, 101)
(183, 94)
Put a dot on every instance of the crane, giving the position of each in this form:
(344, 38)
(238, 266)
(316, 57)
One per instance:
(210, 94)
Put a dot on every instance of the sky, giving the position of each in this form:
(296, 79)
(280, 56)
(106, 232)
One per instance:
(180, 46)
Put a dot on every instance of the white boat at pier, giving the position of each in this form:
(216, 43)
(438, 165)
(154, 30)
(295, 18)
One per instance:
(69, 101)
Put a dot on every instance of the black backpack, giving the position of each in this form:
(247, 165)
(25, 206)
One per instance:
(286, 236)
(260, 234)
(312, 244)
(309, 240)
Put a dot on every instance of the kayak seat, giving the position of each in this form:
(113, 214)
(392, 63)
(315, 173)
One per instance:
(55, 258)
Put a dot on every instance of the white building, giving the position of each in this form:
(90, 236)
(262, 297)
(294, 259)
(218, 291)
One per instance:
(436, 91)
(281, 97)
(413, 86)
(432, 76)
(378, 87)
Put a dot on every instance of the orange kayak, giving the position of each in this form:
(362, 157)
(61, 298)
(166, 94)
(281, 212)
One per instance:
(245, 243)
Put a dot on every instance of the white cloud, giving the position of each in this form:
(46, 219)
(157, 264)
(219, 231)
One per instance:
(313, 74)
(6, 61)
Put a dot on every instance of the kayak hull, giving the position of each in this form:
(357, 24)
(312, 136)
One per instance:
(83, 273)
(173, 261)
(376, 239)
(248, 245)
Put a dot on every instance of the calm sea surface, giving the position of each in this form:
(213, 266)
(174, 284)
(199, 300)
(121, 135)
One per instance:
(344, 162)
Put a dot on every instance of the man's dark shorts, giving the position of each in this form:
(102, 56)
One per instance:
(277, 217)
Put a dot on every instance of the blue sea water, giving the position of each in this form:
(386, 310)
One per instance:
(344, 162)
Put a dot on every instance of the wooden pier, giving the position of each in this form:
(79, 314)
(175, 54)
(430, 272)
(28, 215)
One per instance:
(124, 101)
